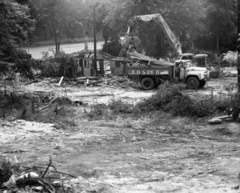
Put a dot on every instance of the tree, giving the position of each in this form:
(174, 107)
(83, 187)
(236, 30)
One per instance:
(184, 18)
(221, 20)
(16, 25)
(238, 49)
(60, 17)
(238, 62)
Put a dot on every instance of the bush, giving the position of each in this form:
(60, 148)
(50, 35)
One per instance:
(24, 68)
(4, 67)
(170, 98)
(165, 94)
(184, 106)
(216, 73)
(5, 170)
(49, 68)
(97, 111)
(118, 106)
(60, 65)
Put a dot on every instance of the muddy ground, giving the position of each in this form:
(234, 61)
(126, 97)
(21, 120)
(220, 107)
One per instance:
(121, 153)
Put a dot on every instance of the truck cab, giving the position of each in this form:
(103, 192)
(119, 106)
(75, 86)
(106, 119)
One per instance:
(194, 77)
(184, 58)
(198, 60)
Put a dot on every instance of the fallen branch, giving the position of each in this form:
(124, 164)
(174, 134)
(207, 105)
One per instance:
(216, 139)
(42, 108)
(50, 162)
(63, 124)
(41, 167)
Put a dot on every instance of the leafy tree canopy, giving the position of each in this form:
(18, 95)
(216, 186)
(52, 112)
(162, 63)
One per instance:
(16, 25)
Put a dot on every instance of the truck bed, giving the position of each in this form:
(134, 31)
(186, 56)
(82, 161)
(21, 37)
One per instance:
(149, 70)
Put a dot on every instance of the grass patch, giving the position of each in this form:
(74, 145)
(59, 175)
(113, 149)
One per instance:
(118, 106)
(170, 99)
(5, 170)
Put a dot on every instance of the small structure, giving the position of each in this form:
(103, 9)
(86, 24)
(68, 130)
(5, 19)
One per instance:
(83, 66)
(201, 60)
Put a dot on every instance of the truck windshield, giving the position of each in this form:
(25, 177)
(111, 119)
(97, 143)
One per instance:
(187, 58)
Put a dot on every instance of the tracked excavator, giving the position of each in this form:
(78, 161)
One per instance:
(151, 72)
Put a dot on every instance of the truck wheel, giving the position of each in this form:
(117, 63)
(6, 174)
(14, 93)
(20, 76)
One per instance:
(202, 83)
(147, 83)
(193, 83)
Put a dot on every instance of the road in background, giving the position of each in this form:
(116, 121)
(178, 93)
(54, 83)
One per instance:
(36, 52)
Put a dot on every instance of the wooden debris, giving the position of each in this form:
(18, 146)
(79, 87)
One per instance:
(36, 179)
(215, 121)
(60, 82)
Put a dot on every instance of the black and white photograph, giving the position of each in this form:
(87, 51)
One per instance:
(119, 96)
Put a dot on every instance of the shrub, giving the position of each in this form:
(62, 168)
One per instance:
(185, 106)
(24, 68)
(170, 98)
(118, 106)
(49, 68)
(3, 67)
(60, 65)
(217, 73)
(97, 111)
(5, 170)
(165, 94)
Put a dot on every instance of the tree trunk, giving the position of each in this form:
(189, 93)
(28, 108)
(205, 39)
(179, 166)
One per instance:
(238, 49)
(238, 65)
(57, 43)
(218, 50)
(55, 38)
(106, 44)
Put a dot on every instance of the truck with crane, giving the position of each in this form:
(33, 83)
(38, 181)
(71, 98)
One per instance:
(152, 72)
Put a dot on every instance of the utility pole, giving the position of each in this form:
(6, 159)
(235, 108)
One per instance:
(238, 54)
(95, 46)
(238, 68)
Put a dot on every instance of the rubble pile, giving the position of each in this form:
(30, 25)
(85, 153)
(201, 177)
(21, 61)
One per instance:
(222, 72)
(109, 80)
(16, 178)
(230, 57)
(119, 81)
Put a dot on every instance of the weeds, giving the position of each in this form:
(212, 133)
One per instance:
(165, 94)
(170, 99)
(54, 66)
(97, 111)
(185, 106)
(118, 106)
(7, 168)
(216, 73)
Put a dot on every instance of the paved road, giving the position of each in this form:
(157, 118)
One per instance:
(67, 48)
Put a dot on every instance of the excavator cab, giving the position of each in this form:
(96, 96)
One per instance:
(200, 60)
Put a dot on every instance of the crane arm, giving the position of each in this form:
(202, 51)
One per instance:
(159, 20)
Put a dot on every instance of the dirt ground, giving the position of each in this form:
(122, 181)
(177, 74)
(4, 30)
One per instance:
(155, 153)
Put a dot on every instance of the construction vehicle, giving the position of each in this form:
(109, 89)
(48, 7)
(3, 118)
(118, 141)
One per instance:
(198, 60)
(153, 72)
(128, 41)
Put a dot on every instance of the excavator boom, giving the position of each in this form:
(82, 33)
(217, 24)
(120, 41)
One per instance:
(159, 20)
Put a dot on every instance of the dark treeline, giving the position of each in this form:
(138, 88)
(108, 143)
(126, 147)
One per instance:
(199, 24)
